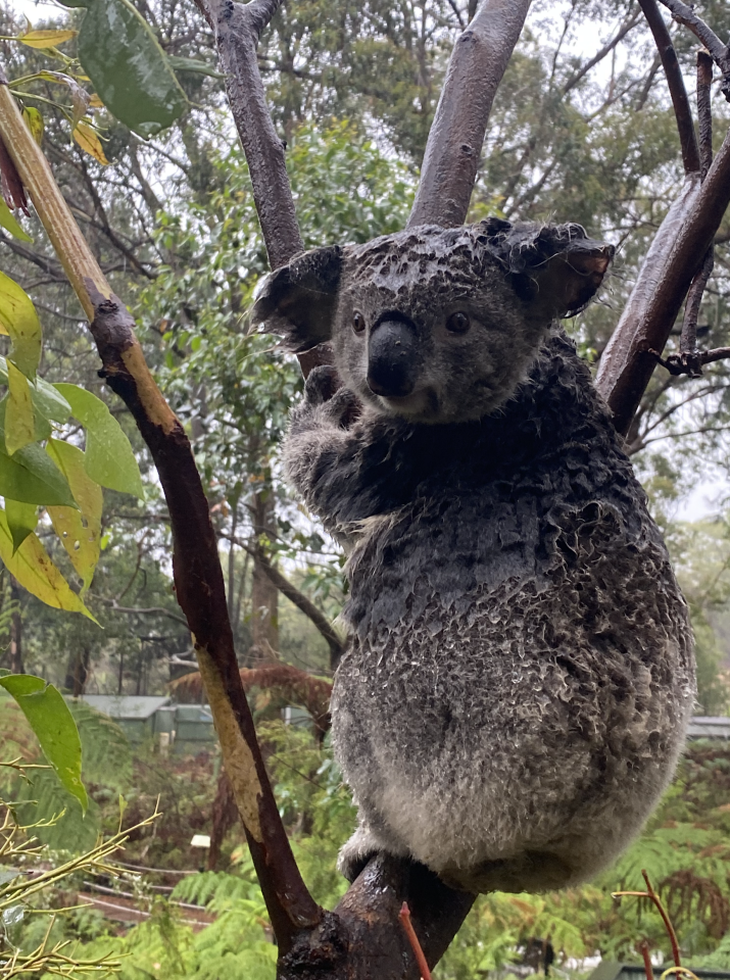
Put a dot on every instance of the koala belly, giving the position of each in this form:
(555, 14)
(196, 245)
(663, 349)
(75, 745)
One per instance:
(521, 743)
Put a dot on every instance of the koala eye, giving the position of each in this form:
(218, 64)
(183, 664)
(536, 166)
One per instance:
(358, 322)
(458, 323)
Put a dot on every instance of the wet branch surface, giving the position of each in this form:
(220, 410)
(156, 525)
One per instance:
(197, 570)
(478, 62)
(675, 83)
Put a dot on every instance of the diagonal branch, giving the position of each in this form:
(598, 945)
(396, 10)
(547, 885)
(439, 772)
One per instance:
(196, 565)
(670, 265)
(675, 83)
(628, 25)
(685, 15)
(478, 62)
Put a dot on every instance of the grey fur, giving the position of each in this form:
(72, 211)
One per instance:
(519, 674)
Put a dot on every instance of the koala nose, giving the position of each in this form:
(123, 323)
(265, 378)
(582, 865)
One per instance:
(393, 359)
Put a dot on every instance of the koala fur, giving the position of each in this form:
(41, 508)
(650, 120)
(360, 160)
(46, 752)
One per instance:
(519, 673)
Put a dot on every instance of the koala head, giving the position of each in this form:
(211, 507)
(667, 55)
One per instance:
(437, 325)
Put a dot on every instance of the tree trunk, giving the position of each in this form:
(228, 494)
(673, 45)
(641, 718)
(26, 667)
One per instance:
(77, 671)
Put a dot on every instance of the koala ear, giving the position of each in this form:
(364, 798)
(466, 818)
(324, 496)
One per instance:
(298, 300)
(555, 268)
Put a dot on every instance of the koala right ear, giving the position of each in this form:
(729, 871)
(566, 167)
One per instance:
(298, 300)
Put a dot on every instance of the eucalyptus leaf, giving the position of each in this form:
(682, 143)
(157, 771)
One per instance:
(127, 66)
(109, 459)
(54, 727)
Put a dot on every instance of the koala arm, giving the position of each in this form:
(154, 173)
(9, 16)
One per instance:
(323, 453)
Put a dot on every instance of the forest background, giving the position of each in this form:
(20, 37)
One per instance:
(582, 130)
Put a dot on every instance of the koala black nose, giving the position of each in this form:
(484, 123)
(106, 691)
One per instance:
(393, 359)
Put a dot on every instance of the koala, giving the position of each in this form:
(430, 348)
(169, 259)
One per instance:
(519, 673)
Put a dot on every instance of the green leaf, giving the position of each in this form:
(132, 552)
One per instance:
(29, 475)
(49, 717)
(127, 66)
(22, 520)
(20, 321)
(9, 223)
(35, 121)
(19, 414)
(109, 457)
(79, 530)
(35, 571)
(46, 400)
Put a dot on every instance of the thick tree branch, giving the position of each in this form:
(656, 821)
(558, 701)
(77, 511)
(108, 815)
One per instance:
(237, 28)
(196, 566)
(670, 265)
(675, 83)
(454, 147)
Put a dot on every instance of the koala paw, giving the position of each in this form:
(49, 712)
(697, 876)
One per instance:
(321, 384)
(356, 852)
(334, 404)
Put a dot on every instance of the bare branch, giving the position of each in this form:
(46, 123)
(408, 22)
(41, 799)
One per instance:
(678, 248)
(675, 82)
(685, 15)
(628, 25)
(301, 601)
(453, 151)
(237, 28)
(689, 356)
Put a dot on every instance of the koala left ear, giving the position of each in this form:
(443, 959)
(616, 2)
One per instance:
(298, 300)
(555, 268)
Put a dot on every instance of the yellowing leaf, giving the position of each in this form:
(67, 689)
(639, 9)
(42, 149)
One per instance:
(35, 123)
(19, 416)
(35, 571)
(46, 39)
(95, 102)
(19, 319)
(79, 530)
(10, 224)
(89, 142)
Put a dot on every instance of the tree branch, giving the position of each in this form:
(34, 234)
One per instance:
(675, 83)
(454, 147)
(196, 565)
(628, 25)
(670, 265)
(685, 15)
(301, 601)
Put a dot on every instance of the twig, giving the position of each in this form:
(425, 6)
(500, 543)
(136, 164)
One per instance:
(628, 25)
(652, 895)
(405, 921)
(454, 147)
(648, 969)
(690, 362)
(675, 82)
(685, 15)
